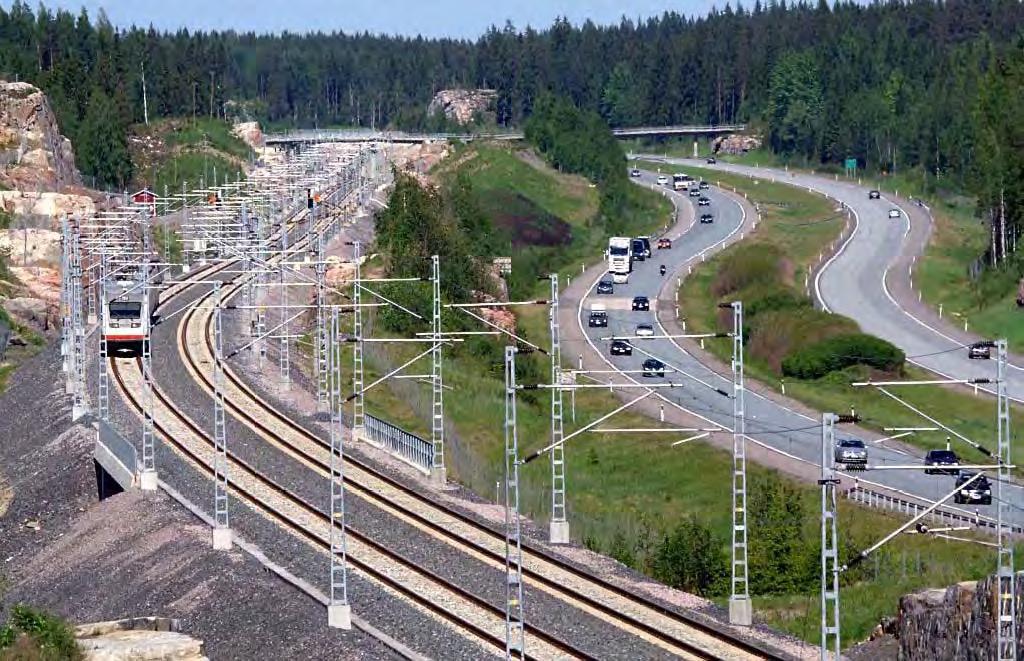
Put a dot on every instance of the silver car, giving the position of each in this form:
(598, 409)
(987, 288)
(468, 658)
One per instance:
(850, 451)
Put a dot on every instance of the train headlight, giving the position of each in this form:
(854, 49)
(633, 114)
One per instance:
(136, 324)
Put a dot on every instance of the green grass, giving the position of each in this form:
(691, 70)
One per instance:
(635, 488)
(498, 172)
(211, 132)
(909, 563)
(190, 168)
(168, 243)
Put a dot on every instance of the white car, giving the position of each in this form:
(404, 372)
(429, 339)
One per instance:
(662, 180)
(644, 330)
(894, 213)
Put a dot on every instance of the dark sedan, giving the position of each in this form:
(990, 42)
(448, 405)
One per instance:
(941, 462)
(605, 287)
(707, 219)
(621, 348)
(654, 367)
(641, 303)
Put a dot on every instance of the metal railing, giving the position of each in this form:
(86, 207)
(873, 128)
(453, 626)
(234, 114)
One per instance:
(399, 443)
(901, 505)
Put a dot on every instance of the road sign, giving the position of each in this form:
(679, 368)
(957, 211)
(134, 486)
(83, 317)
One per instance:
(851, 164)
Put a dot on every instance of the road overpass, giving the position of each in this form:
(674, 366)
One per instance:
(370, 135)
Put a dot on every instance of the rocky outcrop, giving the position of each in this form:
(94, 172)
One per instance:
(736, 144)
(250, 133)
(31, 247)
(461, 106)
(957, 622)
(46, 205)
(138, 639)
(33, 153)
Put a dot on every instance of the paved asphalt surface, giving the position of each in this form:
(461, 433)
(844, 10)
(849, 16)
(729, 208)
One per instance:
(700, 390)
(867, 262)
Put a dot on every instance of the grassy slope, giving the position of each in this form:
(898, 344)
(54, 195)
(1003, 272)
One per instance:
(638, 487)
(187, 152)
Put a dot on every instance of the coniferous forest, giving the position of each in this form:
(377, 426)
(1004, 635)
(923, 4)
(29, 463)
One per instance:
(917, 84)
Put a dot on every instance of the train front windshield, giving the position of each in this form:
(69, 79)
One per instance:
(125, 310)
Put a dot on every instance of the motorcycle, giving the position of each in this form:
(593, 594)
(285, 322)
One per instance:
(662, 269)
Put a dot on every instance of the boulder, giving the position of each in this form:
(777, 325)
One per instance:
(46, 205)
(31, 246)
(138, 639)
(953, 623)
(460, 105)
(34, 154)
(29, 311)
(736, 143)
(250, 133)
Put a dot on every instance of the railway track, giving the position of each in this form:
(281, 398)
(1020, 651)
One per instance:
(678, 633)
(439, 596)
(675, 632)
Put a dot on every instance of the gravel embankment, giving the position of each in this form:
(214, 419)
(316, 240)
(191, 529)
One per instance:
(133, 554)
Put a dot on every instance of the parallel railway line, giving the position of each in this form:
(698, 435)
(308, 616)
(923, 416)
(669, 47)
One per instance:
(675, 632)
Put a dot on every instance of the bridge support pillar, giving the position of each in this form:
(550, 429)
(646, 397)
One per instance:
(741, 612)
(438, 476)
(696, 153)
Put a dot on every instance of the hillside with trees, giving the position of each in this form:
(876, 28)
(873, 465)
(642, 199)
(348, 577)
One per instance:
(919, 85)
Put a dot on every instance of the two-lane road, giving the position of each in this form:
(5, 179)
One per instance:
(705, 393)
(857, 281)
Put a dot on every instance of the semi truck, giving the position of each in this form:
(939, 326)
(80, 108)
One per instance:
(620, 259)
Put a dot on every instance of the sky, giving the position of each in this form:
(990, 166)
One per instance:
(430, 18)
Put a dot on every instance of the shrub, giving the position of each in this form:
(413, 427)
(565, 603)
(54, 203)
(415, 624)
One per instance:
(692, 559)
(775, 334)
(842, 351)
(51, 636)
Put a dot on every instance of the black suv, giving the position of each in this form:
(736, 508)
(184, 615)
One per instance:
(605, 287)
(641, 303)
(707, 219)
(704, 202)
(621, 348)
(978, 492)
(712, 161)
(942, 462)
(654, 367)
(874, 195)
(598, 319)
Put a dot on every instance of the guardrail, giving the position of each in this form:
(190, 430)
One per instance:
(947, 515)
(399, 443)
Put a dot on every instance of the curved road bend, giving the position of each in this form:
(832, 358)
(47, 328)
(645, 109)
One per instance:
(874, 263)
(768, 422)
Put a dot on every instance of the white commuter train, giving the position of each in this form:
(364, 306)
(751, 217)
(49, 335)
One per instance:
(128, 311)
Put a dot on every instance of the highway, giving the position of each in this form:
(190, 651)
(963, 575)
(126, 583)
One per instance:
(701, 390)
(877, 256)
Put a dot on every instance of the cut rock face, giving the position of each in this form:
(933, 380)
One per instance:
(35, 154)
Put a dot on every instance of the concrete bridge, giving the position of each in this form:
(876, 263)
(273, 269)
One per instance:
(369, 135)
